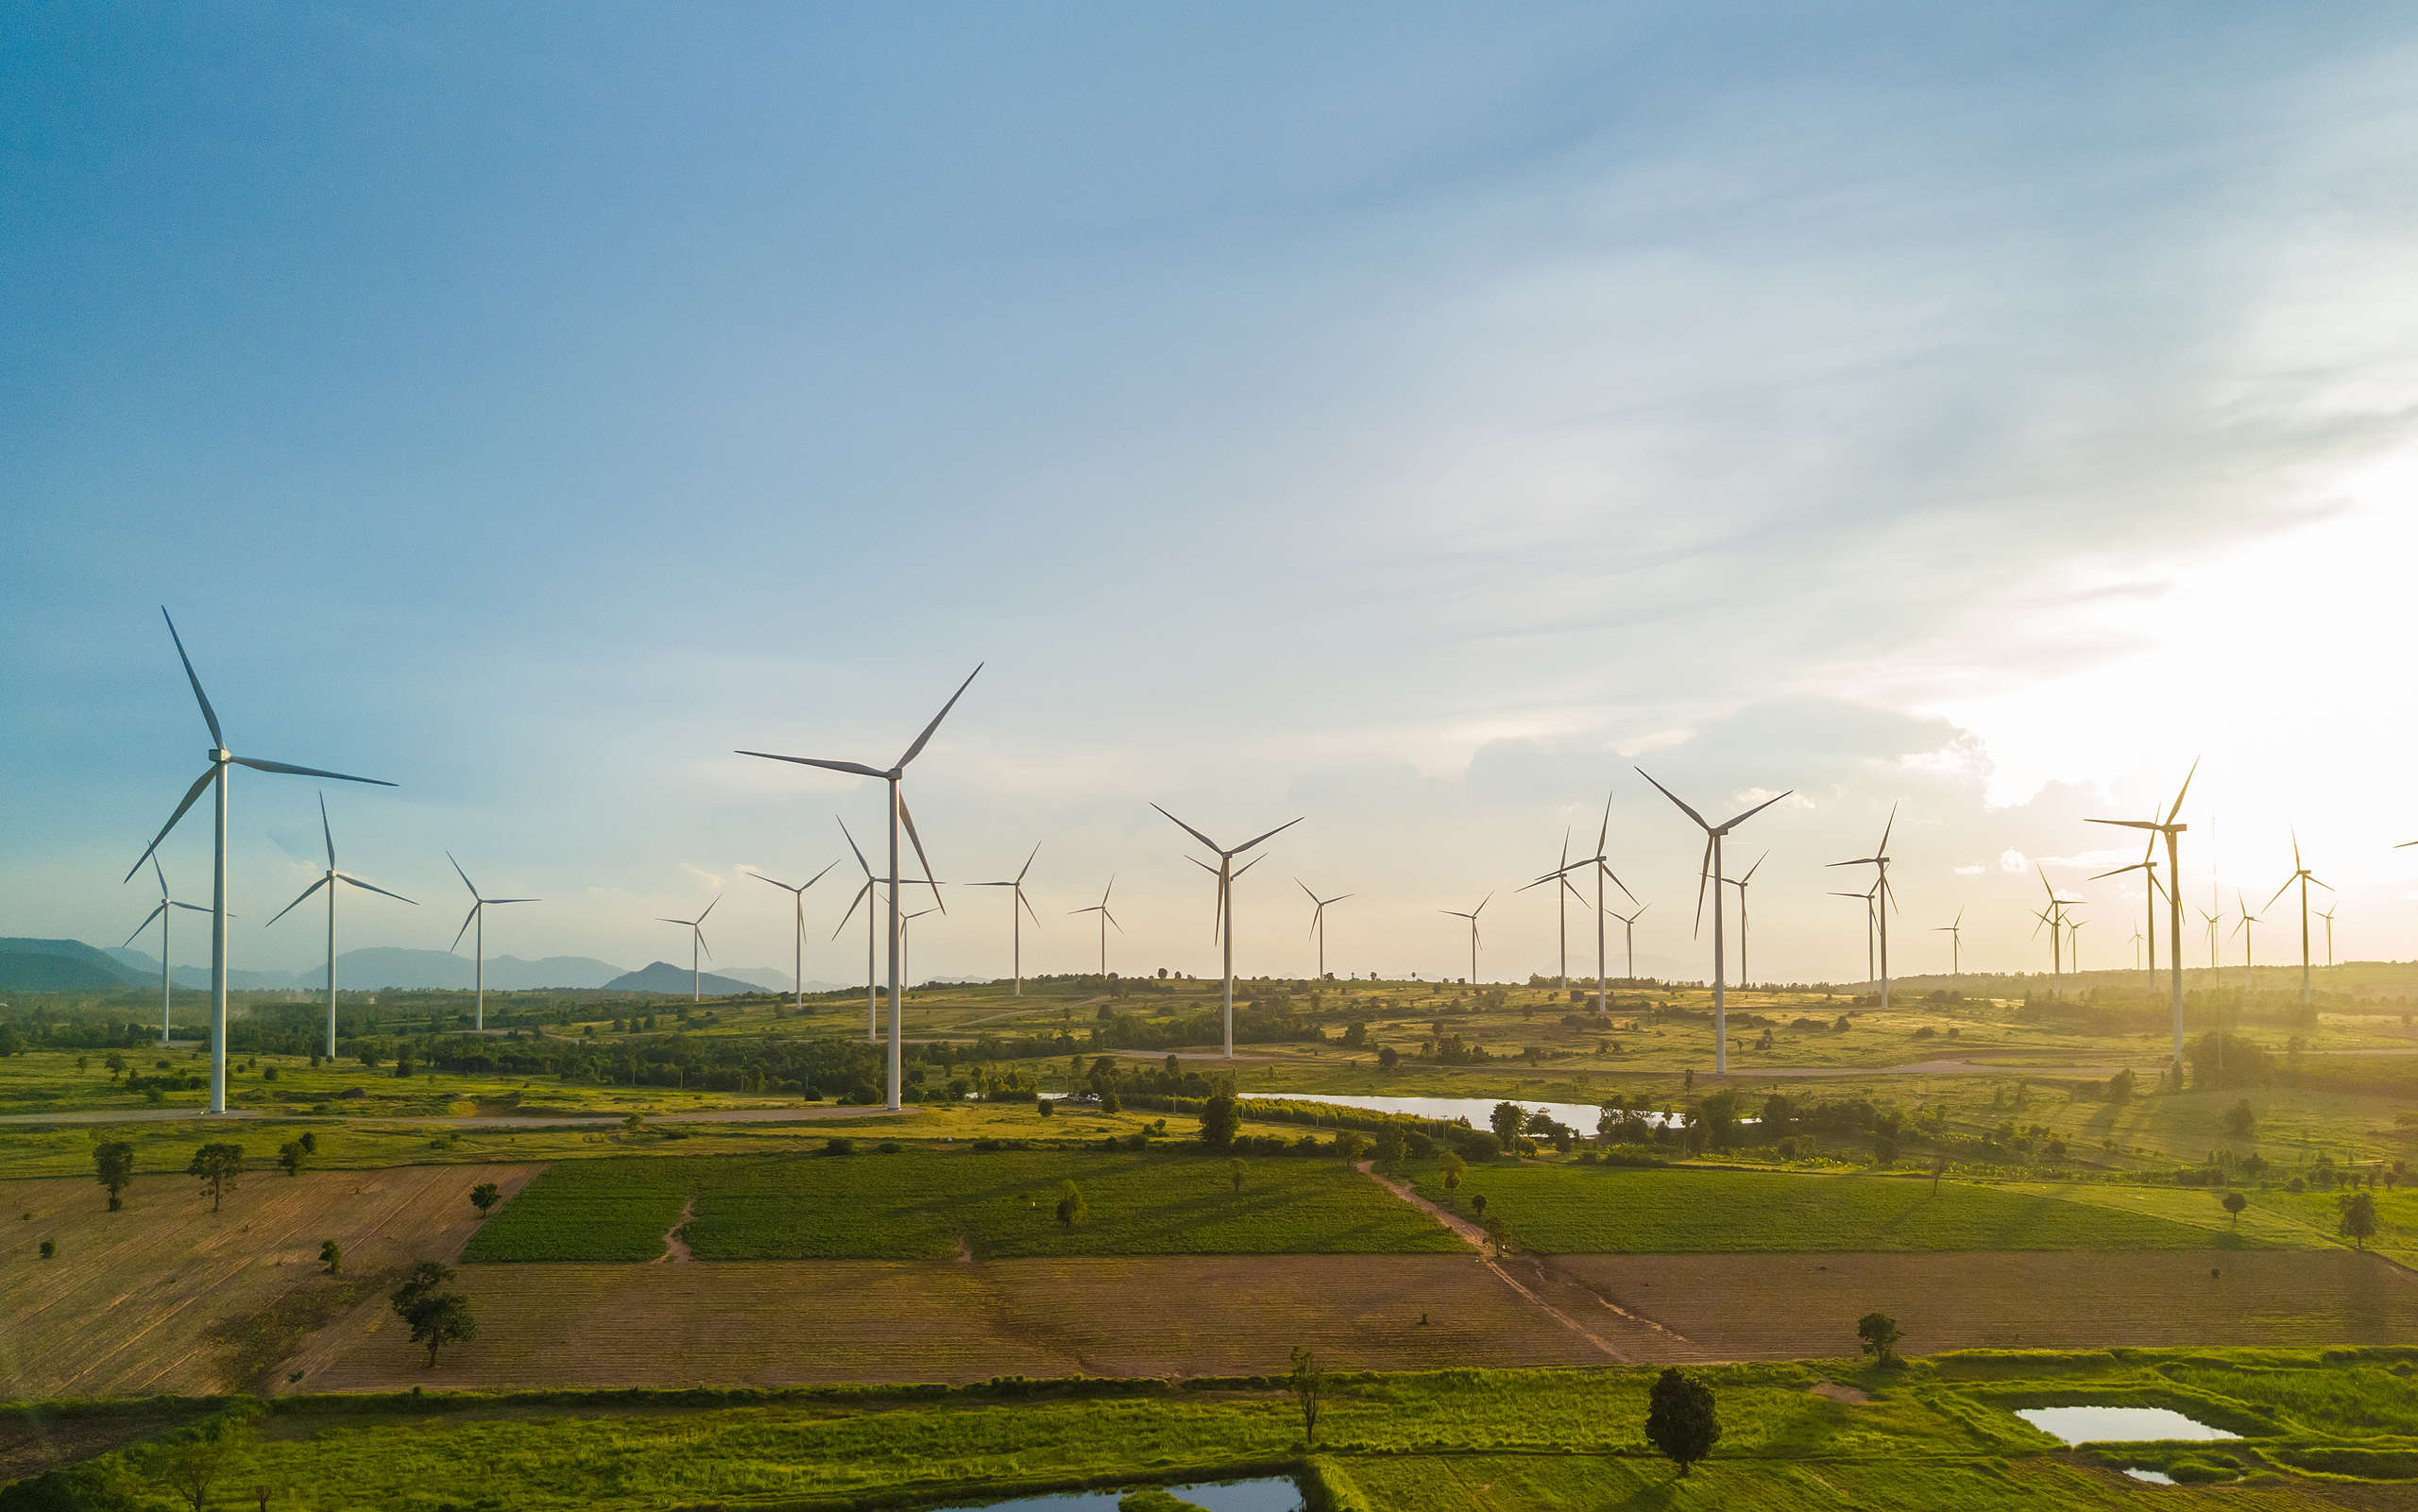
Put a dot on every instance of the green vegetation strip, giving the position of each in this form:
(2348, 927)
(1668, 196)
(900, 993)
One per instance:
(1607, 1210)
(922, 1204)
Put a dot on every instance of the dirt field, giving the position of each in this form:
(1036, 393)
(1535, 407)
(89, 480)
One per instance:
(764, 1323)
(169, 1297)
(1778, 1307)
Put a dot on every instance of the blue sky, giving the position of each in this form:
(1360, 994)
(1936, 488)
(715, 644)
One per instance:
(1402, 416)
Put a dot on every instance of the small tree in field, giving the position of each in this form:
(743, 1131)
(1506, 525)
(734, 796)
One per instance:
(217, 1164)
(485, 1195)
(113, 1166)
(1508, 1120)
(1392, 1146)
(1219, 1121)
(2358, 1217)
(293, 1157)
(191, 1463)
(1072, 1209)
(330, 1257)
(1450, 1170)
(1679, 1418)
(436, 1318)
(2234, 1203)
(1235, 1170)
(1880, 1334)
(1308, 1385)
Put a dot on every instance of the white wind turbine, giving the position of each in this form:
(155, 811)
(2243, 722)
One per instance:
(696, 929)
(1016, 919)
(1711, 871)
(2241, 928)
(1884, 897)
(1225, 924)
(220, 759)
(1745, 978)
(897, 814)
(867, 896)
(328, 881)
(2301, 875)
(1106, 919)
(1600, 863)
(161, 914)
(1471, 917)
(2328, 917)
(1318, 919)
(1955, 933)
(478, 915)
(904, 936)
(2170, 829)
(1628, 932)
(797, 933)
(1866, 896)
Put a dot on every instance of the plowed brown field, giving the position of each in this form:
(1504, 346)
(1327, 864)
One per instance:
(168, 1297)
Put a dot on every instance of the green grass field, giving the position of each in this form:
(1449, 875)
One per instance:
(921, 1204)
(1599, 1210)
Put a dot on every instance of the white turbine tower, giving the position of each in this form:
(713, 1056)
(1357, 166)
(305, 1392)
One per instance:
(1711, 871)
(1471, 917)
(478, 915)
(2147, 866)
(1884, 897)
(328, 881)
(696, 929)
(1318, 919)
(897, 814)
(220, 759)
(161, 914)
(2301, 875)
(1628, 934)
(1226, 875)
(1017, 908)
(1955, 933)
(1106, 919)
(2168, 828)
(797, 933)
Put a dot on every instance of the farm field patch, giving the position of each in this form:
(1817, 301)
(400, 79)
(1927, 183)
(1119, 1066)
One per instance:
(1587, 1209)
(924, 1204)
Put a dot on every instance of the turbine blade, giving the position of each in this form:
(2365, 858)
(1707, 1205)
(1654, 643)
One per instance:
(1882, 849)
(1616, 878)
(289, 769)
(853, 767)
(497, 902)
(464, 929)
(1759, 808)
(1604, 830)
(710, 908)
(1028, 861)
(372, 887)
(2125, 823)
(1665, 792)
(2329, 885)
(328, 834)
(917, 749)
(1271, 834)
(1759, 861)
(1112, 919)
(1305, 891)
(2180, 792)
(1704, 875)
(2280, 891)
(701, 945)
(209, 715)
(1027, 904)
(852, 843)
(852, 907)
(1189, 830)
(1248, 865)
(146, 924)
(297, 902)
(190, 793)
(464, 876)
(816, 877)
(776, 881)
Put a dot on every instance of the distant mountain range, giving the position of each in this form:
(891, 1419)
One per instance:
(30, 965)
(663, 977)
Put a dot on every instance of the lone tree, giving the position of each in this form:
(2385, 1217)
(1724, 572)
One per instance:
(2358, 1217)
(1235, 1169)
(1679, 1418)
(485, 1195)
(1508, 1120)
(1880, 1334)
(2234, 1203)
(1392, 1146)
(113, 1166)
(2242, 1119)
(332, 1257)
(1451, 1169)
(293, 1157)
(1308, 1385)
(1072, 1209)
(1220, 1120)
(217, 1164)
(436, 1318)
(191, 1463)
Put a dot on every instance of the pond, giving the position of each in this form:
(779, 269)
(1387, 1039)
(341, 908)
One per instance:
(2154, 1477)
(1581, 1116)
(2117, 1425)
(1270, 1493)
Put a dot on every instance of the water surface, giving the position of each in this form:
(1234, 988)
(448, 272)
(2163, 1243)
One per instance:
(2117, 1425)
(1271, 1493)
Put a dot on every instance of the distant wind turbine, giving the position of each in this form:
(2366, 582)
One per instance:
(2212, 919)
(2147, 866)
(1745, 976)
(867, 896)
(220, 759)
(478, 915)
(2170, 829)
(696, 929)
(1866, 897)
(797, 931)
(1106, 919)
(2073, 943)
(897, 814)
(2328, 917)
(1318, 919)
(904, 937)
(1015, 920)
(161, 914)
(2055, 919)
(328, 880)
(1884, 897)
(1226, 875)
(1955, 933)
(1628, 931)
(1713, 835)
(2301, 875)
(2241, 928)
(1471, 917)
(1601, 865)
(2135, 944)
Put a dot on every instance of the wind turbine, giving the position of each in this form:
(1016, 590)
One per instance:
(798, 934)
(1318, 919)
(220, 759)
(897, 814)
(2147, 866)
(2073, 943)
(2168, 828)
(1471, 917)
(1955, 933)
(2212, 919)
(1015, 920)
(1745, 978)
(1106, 919)
(1562, 896)
(478, 915)
(1601, 865)
(161, 914)
(1885, 899)
(2135, 944)
(1226, 875)
(1713, 835)
(903, 936)
(2241, 928)
(1868, 896)
(2055, 919)
(2328, 917)
(696, 929)
(2301, 875)
(1629, 931)
(328, 881)
(864, 895)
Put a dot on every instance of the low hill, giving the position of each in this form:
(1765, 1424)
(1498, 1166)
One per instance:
(671, 980)
(61, 966)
